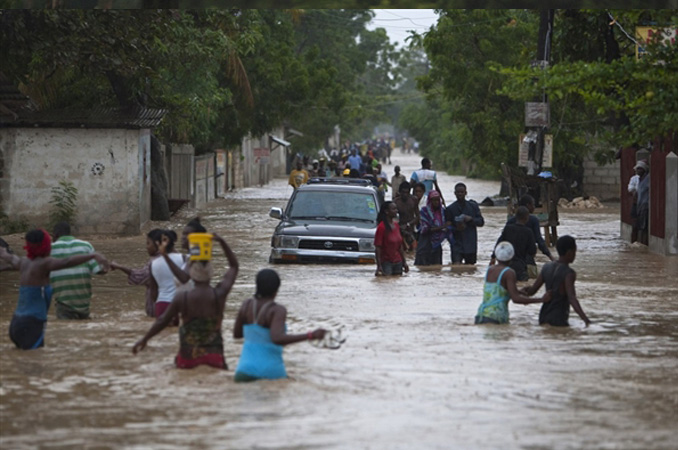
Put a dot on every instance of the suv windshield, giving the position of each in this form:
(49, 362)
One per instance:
(333, 206)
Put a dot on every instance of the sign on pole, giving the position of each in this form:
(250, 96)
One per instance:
(523, 150)
(261, 155)
(537, 114)
(547, 159)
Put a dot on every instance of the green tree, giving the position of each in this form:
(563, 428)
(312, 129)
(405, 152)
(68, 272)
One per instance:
(220, 74)
(597, 79)
(162, 59)
(470, 127)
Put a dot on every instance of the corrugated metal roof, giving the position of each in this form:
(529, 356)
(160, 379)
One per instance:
(18, 110)
(102, 117)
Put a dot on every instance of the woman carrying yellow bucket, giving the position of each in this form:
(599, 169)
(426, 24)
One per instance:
(201, 309)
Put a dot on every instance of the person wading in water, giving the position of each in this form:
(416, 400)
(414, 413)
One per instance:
(201, 310)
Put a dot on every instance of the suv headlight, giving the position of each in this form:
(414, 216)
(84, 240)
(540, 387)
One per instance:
(283, 241)
(366, 245)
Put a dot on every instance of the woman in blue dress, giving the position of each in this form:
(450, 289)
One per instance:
(261, 321)
(500, 287)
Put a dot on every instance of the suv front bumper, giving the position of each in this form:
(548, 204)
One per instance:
(295, 255)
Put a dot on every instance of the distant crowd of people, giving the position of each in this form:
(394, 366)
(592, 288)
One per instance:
(350, 161)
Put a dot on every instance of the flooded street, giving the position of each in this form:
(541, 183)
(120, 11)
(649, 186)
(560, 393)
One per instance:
(414, 372)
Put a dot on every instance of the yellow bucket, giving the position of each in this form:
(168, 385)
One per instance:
(200, 246)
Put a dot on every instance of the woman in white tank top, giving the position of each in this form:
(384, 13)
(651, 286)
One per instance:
(162, 274)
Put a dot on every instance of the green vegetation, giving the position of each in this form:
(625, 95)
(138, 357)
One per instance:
(600, 96)
(64, 203)
(351, 4)
(598, 87)
(466, 125)
(460, 90)
(220, 74)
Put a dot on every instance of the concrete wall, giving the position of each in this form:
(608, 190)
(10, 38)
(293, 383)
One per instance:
(248, 170)
(109, 167)
(278, 162)
(602, 181)
(669, 244)
(204, 179)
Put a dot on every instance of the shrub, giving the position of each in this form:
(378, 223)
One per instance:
(64, 203)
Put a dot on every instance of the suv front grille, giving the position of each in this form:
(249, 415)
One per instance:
(346, 246)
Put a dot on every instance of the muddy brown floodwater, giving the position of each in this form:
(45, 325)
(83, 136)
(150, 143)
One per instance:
(414, 373)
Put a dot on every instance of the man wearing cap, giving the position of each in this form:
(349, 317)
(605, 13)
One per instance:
(313, 173)
(633, 192)
(298, 176)
(322, 170)
(642, 200)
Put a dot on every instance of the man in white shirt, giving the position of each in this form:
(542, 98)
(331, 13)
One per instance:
(428, 177)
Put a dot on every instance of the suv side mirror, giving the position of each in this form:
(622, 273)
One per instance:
(276, 213)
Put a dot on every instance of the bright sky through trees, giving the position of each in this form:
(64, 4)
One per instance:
(399, 22)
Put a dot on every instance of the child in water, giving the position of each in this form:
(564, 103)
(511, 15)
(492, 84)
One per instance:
(201, 310)
(500, 287)
(27, 329)
(559, 278)
(261, 322)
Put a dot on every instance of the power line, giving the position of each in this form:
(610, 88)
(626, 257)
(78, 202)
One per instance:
(401, 17)
(400, 20)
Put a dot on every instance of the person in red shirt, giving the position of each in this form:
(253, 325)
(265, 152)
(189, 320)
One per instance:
(388, 243)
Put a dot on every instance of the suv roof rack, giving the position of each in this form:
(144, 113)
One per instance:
(354, 181)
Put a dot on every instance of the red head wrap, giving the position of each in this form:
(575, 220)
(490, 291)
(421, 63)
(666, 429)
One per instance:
(39, 249)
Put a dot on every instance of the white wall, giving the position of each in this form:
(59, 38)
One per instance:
(109, 167)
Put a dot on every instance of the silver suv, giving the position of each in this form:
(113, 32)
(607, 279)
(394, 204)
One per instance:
(327, 220)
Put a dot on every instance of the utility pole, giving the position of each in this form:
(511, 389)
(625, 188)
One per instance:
(537, 112)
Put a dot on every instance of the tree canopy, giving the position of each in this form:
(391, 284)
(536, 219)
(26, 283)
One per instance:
(220, 74)
(600, 95)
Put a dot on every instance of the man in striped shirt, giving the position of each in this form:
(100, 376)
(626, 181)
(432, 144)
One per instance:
(72, 288)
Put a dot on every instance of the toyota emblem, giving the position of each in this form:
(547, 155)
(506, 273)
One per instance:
(328, 244)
